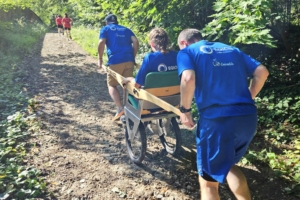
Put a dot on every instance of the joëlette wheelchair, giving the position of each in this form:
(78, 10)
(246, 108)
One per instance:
(140, 113)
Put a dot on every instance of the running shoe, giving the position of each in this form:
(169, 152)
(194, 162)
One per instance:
(118, 114)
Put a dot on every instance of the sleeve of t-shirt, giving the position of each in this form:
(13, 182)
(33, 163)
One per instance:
(184, 62)
(130, 33)
(103, 33)
(251, 64)
(143, 71)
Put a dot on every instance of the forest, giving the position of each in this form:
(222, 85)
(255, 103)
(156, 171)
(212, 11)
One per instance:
(268, 30)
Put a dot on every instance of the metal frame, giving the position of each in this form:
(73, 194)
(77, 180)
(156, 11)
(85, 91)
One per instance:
(135, 115)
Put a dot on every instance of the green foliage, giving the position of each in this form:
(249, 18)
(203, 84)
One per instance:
(279, 102)
(15, 41)
(285, 165)
(17, 181)
(11, 4)
(240, 22)
(87, 37)
(47, 9)
(194, 111)
(143, 15)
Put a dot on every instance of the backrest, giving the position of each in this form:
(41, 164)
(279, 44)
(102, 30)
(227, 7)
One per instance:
(165, 85)
(162, 83)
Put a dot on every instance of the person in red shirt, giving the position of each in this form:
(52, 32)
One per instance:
(58, 21)
(66, 21)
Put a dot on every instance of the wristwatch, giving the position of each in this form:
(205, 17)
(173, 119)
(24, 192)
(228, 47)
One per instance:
(184, 110)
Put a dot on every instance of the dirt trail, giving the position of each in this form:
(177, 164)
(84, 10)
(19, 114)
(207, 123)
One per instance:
(82, 153)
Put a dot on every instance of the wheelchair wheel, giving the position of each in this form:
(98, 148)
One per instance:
(171, 137)
(137, 146)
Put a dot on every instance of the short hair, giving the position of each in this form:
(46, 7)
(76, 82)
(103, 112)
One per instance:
(159, 37)
(189, 35)
(66, 15)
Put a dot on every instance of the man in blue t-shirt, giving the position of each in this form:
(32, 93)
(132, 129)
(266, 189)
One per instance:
(121, 48)
(217, 75)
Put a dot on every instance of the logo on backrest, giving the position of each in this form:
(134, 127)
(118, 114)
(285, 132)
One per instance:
(206, 49)
(162, 68)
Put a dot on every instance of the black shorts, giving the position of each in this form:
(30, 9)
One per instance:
(67, 28)
(59, 26)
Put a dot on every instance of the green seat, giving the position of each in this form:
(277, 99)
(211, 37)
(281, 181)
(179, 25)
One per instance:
(161, 79)
(164, 85)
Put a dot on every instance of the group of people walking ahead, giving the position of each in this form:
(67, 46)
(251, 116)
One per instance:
(216, 76)
(64, 24)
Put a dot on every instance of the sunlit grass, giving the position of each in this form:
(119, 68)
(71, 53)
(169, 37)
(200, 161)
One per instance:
(87, 38)
(17, 40)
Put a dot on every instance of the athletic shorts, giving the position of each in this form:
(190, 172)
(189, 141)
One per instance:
(67, 28)
(221, 143)
(59, 26)
(125, 69)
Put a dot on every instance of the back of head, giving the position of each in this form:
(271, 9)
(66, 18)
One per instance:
(66, 15)
(111, 19)
(189, 35)
(159, 38)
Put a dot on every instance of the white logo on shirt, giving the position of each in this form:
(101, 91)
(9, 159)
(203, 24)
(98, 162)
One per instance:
(170, 68)
(218, 64)
(206, 49)
(113, 28)
(162, 68)
(228, 49)
(120, 35)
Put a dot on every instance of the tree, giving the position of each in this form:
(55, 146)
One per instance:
(241, 22)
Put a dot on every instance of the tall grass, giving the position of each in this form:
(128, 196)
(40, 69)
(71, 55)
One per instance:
(16, 41)
(87, 37)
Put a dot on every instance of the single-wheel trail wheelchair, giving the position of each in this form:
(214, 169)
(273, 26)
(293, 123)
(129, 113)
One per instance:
(154, 106)
(140, 113)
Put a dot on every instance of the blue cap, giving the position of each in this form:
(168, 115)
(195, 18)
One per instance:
(111, 18)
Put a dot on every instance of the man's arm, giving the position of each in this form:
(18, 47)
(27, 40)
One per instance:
(187, 89)
(135, 45)
(260, 76)
(101, 46)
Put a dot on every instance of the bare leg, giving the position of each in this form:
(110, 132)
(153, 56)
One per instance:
(238, 184)
(68, 34)
(115, 95)
(209, 190)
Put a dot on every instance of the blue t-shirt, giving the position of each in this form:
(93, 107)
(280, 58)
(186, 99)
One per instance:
(221, 78)
(156, 62)
(118, 43)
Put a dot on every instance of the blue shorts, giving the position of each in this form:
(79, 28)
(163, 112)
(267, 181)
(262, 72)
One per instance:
(221, 142)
